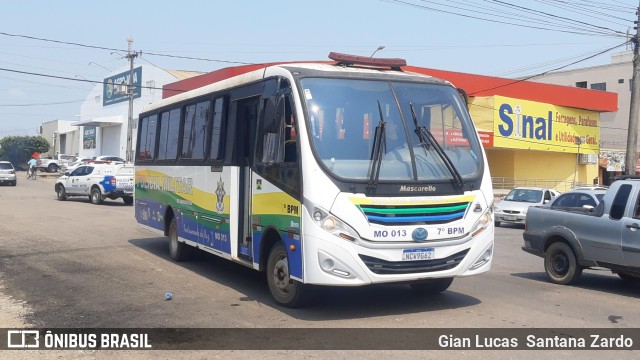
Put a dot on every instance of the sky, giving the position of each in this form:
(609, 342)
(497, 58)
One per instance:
(490, 37)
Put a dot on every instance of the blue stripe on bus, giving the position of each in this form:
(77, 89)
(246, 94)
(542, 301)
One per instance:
(406, 219)
(295, 256)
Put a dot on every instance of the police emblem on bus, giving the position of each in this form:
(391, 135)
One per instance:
(220, 193)
(419, 234)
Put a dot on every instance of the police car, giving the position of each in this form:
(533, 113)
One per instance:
(98, 182)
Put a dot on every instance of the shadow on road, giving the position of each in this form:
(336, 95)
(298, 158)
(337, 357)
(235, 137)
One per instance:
(328, 303)
(85, 199)
(591, 281)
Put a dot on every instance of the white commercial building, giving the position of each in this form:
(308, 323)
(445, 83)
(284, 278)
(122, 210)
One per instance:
(104, 115)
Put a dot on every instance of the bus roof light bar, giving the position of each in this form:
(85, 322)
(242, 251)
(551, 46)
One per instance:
(393, 63)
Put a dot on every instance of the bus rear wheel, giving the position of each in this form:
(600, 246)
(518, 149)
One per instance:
(285, 291)
(179, 251)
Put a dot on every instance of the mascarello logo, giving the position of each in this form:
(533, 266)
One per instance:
(419, 234)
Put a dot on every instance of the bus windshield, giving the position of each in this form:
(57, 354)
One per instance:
(343, 114)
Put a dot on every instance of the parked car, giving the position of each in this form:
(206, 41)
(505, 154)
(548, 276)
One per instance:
(577, 238)
(8, 173)
(513, 207)
(75, 163)
(98, 182)
(595, 187)
(578, 198)
(107, 159)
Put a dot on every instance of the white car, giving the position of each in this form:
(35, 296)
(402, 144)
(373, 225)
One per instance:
(513, 207)
(107, 159)
(7, 173)
(75, 163)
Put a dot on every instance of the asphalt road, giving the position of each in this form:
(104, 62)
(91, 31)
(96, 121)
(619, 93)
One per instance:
(74, 264)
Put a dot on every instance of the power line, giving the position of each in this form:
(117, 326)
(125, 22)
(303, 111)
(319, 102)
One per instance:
(45, 104)
(501, 14)
(422, 7)
(121, 50)
(548, 71)
(584, 11)
(556, 16)
(82, 80)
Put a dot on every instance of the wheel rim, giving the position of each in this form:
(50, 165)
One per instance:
(281, 275)
(59, 193)
(95, 196)
(560, 263)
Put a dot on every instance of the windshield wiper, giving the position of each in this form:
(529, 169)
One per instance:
(377, 151)
(426, 137)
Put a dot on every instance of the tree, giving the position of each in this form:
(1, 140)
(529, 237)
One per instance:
(18, 149)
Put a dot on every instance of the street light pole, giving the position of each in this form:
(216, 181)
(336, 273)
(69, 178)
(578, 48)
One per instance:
(95, 63)
(378, 49)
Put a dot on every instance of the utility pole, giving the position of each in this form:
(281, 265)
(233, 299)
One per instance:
(131, 55)
(632, 136)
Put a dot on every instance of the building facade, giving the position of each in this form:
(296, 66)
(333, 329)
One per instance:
(613, 77)
(104, 115)
(60, 135)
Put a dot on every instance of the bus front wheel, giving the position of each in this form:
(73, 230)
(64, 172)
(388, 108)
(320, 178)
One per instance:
(285, 291)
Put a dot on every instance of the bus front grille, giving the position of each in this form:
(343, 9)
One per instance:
(414, 214)
(384, 267)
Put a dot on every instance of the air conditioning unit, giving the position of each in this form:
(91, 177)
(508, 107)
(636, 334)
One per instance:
(588, 159)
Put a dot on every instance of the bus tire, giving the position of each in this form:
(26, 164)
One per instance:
(179, 251)
(561, 265)
(431, 287)
(285, 291)
(96, 196)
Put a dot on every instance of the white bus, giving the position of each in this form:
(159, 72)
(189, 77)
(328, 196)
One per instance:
(343, 173)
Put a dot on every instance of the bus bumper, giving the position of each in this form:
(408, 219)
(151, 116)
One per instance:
(329, 260)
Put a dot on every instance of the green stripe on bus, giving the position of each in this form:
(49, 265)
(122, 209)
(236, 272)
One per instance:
(428, 210)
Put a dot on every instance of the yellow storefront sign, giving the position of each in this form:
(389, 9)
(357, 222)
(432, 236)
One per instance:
(522, 124)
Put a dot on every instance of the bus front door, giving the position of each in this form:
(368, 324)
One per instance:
(246, 111)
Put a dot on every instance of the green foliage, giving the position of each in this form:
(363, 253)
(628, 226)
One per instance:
(18, 149)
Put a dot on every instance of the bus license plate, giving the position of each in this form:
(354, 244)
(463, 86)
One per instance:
(417, 254)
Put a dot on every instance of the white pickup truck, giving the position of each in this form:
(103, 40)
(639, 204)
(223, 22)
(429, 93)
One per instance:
(98, 182)
(53, 164)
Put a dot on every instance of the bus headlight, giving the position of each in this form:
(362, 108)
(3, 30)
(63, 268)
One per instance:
(483, 222)
(333, 225)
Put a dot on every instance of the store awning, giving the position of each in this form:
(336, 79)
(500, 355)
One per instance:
(101, 121)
